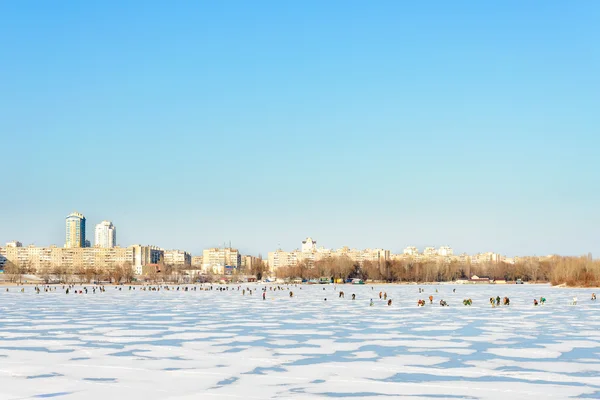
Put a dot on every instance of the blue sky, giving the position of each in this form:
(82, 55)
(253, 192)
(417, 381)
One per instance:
(369, 124)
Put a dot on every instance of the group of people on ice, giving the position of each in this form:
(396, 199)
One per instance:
(496, 302)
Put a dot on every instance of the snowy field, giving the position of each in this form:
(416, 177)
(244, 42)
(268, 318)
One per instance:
(224, 345)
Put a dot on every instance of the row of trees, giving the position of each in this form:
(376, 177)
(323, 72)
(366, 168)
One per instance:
(123, 273)
(575, 271)
(114, 273)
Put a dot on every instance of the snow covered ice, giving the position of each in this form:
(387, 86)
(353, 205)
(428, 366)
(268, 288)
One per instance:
(213, 344)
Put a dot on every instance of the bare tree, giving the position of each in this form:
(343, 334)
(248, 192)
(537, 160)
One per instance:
(128, 273)
(258, 269)
(12, 271)
(116, 273)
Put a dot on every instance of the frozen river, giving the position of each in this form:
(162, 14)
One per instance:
(225, 345)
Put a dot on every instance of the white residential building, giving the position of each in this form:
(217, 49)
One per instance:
(310, 255)
(309, 245)
(445, 251)
(487, 258)
(430, 251)
(105, 235)
(411, 251)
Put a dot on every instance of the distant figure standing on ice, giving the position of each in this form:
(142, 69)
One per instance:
(593, 296)
(575, 300)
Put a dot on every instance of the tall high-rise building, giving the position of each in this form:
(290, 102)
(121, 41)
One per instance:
(75, 230)
(105, 235)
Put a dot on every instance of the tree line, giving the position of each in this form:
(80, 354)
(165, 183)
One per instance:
(15, 272)
(572, 271)
(118, 273)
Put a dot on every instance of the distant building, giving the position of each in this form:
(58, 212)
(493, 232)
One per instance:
(477, 279)
(146, 255)
(14, 243)
(216, 259)
(73, 259)
(445, 251)
(280, 258)
(197, 261)
(248, 262)
(309, 245)
(310, 255)
(75, 230)
(177, 258)
(430, 251)
(105, 235)
(487, 258)
(411, 251)
(87, 243)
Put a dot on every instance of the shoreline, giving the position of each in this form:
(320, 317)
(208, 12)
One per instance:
(559, 286)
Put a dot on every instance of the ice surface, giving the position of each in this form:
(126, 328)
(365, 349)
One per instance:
(222, 344)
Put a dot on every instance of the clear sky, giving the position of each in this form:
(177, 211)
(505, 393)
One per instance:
(363, 123)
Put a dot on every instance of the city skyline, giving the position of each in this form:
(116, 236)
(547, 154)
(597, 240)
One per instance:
(105, 231)
(382, 124)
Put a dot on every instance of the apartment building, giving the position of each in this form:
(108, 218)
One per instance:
(445, 251)
(41, 258)
(177, 258)
(197, 261)
(411, 251)
(75, 230)
(247, 262)
(311, 254)
(215, 260)
(105, 235)
(487, 258)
